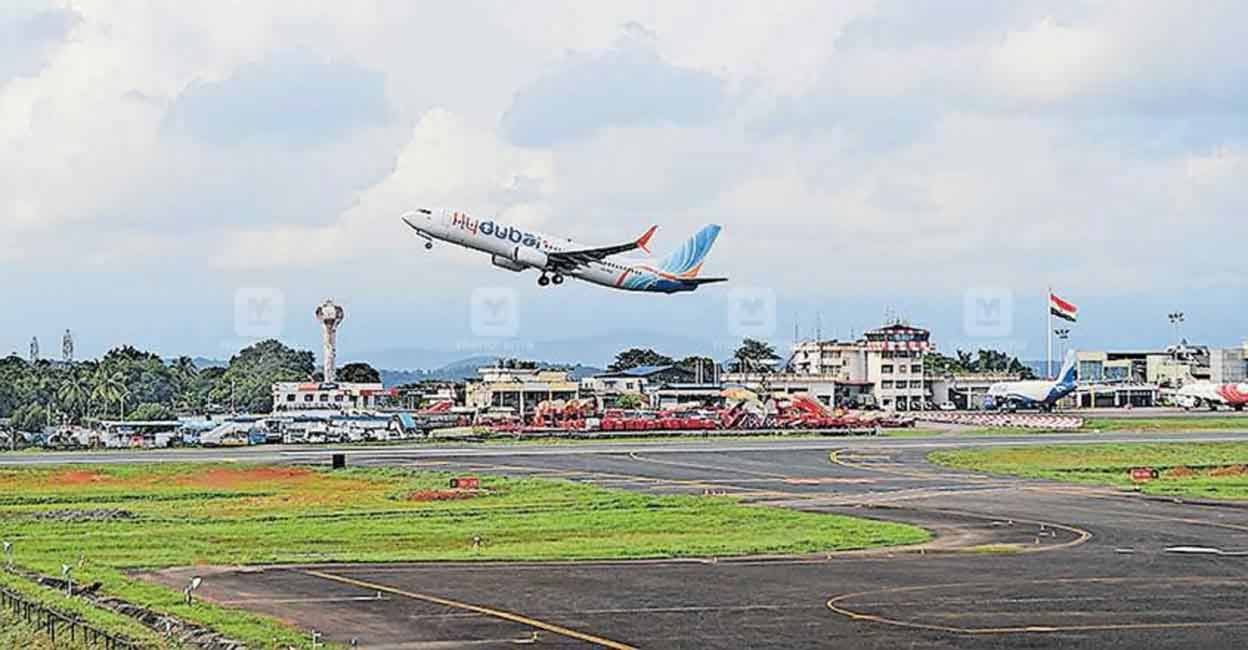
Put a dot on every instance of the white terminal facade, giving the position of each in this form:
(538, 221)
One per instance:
(331, 396)
(886, 363)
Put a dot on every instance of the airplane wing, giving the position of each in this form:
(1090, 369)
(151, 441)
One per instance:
(701, 281)
(568, 260)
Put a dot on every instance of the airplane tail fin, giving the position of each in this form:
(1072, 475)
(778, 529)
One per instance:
(1068, 374)
(686, 262)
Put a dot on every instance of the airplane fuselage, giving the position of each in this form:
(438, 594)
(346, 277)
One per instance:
(517, 249)
(1028, 394)
(1211, 394)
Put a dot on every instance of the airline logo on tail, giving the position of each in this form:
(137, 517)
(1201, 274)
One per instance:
(686, 262)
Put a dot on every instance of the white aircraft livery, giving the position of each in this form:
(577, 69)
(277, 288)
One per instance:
(1037, 393)
(517, 249)
(1213, 395)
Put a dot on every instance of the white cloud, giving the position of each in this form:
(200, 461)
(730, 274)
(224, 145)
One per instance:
(1050, 62)
(914, 147)
(446, 163)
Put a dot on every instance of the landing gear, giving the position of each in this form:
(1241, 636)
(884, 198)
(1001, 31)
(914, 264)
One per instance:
(558, 279)
(543, 280)
(428, 245)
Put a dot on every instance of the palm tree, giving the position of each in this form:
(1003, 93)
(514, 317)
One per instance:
(75, 393)
(184, 375)
(109, 387)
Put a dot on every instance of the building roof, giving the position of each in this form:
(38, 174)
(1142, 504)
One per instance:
(642, 371)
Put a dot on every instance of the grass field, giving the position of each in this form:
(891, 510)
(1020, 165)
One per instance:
(1168, 424)
(1202, 470)
(16, 635)
(110, 519)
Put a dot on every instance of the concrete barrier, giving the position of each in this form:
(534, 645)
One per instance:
(1046, 421)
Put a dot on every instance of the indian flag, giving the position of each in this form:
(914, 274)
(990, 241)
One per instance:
(1062, 309)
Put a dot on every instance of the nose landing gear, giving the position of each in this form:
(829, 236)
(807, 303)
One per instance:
(428, 245)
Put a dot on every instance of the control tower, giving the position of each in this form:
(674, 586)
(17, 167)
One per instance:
(330, 316)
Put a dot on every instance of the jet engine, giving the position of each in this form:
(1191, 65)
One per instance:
(506, 263)
(525, 256)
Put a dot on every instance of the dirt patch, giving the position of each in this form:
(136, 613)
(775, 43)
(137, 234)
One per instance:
(229, 477)
(1179, 472)
(76, 477)
(442, 495)
(1230, 470)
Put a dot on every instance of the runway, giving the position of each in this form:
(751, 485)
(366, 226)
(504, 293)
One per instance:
(1015, 563)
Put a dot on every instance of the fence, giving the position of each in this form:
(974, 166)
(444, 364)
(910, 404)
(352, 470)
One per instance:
(55, 623)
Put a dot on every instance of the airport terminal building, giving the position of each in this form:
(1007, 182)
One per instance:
(886, 364)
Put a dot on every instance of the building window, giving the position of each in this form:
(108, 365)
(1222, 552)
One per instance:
(886, 384)
(886, 369)
(324, 397)
(916, 368)
(308, 398)
(290, 397)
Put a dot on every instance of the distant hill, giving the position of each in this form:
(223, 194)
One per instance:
(594, 351)
(467, 369)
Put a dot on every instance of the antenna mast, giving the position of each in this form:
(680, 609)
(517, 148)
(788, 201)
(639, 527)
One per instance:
(67, 348)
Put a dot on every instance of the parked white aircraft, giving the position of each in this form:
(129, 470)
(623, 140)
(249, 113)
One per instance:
(1204, 393)
(1037, 393)
(516, 249)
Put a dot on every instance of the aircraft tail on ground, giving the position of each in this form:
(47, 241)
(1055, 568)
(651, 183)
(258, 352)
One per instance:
(686, 262)
(1068, 373)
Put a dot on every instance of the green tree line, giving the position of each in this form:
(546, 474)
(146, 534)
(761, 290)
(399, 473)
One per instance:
(128, 383)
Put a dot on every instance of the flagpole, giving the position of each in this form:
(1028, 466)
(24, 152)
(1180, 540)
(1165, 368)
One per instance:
(1048, 309)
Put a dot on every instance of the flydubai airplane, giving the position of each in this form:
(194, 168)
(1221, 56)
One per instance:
(1039, 393)
(517, 249)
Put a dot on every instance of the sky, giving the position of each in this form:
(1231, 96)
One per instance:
(191, 177)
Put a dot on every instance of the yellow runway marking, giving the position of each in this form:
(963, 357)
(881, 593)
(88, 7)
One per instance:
(487, 611)
(1081, 535)
(833, 604)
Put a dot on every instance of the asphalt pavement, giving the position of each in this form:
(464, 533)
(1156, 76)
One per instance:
(1015, 563)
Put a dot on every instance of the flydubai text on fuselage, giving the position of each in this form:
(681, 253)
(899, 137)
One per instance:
(1039, 393)
(517, 249)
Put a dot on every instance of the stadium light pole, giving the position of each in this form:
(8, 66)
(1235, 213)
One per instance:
(1062, 335)
(1176, 319)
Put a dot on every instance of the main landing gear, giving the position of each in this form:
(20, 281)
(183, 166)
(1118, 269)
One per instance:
(545, 280)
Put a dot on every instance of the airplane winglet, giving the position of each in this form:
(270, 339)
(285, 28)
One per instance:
(643, 242)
